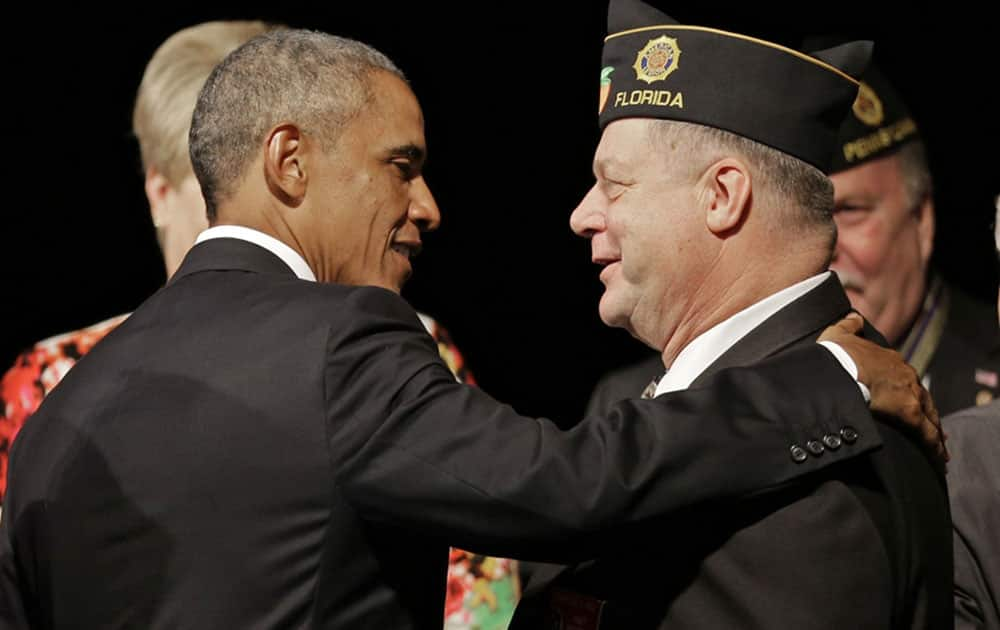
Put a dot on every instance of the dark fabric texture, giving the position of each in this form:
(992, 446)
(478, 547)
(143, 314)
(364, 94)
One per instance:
(250, 450)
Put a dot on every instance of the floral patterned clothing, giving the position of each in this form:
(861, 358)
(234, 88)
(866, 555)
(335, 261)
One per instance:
(35, 373)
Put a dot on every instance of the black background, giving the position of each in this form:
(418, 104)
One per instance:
(509, 92)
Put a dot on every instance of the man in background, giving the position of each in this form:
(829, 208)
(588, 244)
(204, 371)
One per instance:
(885, 216)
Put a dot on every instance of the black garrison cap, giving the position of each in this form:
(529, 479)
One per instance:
(786, 99)
(878, 124)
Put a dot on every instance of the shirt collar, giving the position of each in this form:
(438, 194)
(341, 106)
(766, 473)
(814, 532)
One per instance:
(288, 255)
(711, 344)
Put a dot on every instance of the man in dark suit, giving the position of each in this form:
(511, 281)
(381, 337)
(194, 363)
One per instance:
(713, 224)
(272, 439)
(885, 214)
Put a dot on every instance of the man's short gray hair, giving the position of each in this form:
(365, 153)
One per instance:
(316, 80)
(800, 195)
(917, 182)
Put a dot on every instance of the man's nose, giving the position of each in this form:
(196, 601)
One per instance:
(423, 209)
(588, 217)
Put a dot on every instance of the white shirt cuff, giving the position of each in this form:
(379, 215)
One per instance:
(848, 364)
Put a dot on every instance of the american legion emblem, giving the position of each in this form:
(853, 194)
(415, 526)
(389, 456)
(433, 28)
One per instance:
(867, 106)
(657, 59)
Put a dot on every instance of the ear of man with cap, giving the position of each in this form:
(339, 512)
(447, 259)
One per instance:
(712, 219)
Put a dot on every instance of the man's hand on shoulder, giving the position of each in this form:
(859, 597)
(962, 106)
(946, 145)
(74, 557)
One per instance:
(894, 385)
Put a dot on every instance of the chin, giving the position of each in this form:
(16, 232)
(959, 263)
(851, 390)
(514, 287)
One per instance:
(394, 281)
(610, 315)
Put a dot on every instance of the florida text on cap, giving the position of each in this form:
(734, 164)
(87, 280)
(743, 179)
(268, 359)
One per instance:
(795, 102)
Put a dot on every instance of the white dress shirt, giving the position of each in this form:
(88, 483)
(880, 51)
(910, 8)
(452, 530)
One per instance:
(288, 255)
(711, 344)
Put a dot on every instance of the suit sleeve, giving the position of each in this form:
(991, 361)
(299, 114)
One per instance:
(973, 486)
(413, 448)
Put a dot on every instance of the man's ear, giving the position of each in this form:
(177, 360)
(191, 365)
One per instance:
(725, 189)
(157, 188)
(925, 228)
(285, 163)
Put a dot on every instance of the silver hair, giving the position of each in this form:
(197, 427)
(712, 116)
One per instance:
(319, 81)
(800, 194)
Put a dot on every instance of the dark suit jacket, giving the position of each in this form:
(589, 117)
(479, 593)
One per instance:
(623, 382)
(250, 450)
(974, 488)
(865, 544)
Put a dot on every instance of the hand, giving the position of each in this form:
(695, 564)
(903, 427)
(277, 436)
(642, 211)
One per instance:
(894, 384)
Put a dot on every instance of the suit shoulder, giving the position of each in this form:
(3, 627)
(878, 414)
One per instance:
(984, 418)
(369, 304)
(972, 435)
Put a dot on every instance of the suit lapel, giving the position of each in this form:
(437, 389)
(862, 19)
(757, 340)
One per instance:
(220, 254)
(802, 319)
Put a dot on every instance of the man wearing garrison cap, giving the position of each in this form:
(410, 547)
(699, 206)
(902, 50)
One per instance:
(885, 219)
(712, 221)
(885, 216)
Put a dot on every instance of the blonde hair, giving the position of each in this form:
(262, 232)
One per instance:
(170, 86)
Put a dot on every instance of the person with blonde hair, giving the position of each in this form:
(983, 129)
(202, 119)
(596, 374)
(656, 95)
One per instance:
(161, 119)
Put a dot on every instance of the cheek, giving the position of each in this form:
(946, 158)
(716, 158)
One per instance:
(616, 227)
(865, 244)
(651, 256)
(388, 201)
(902, 258)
